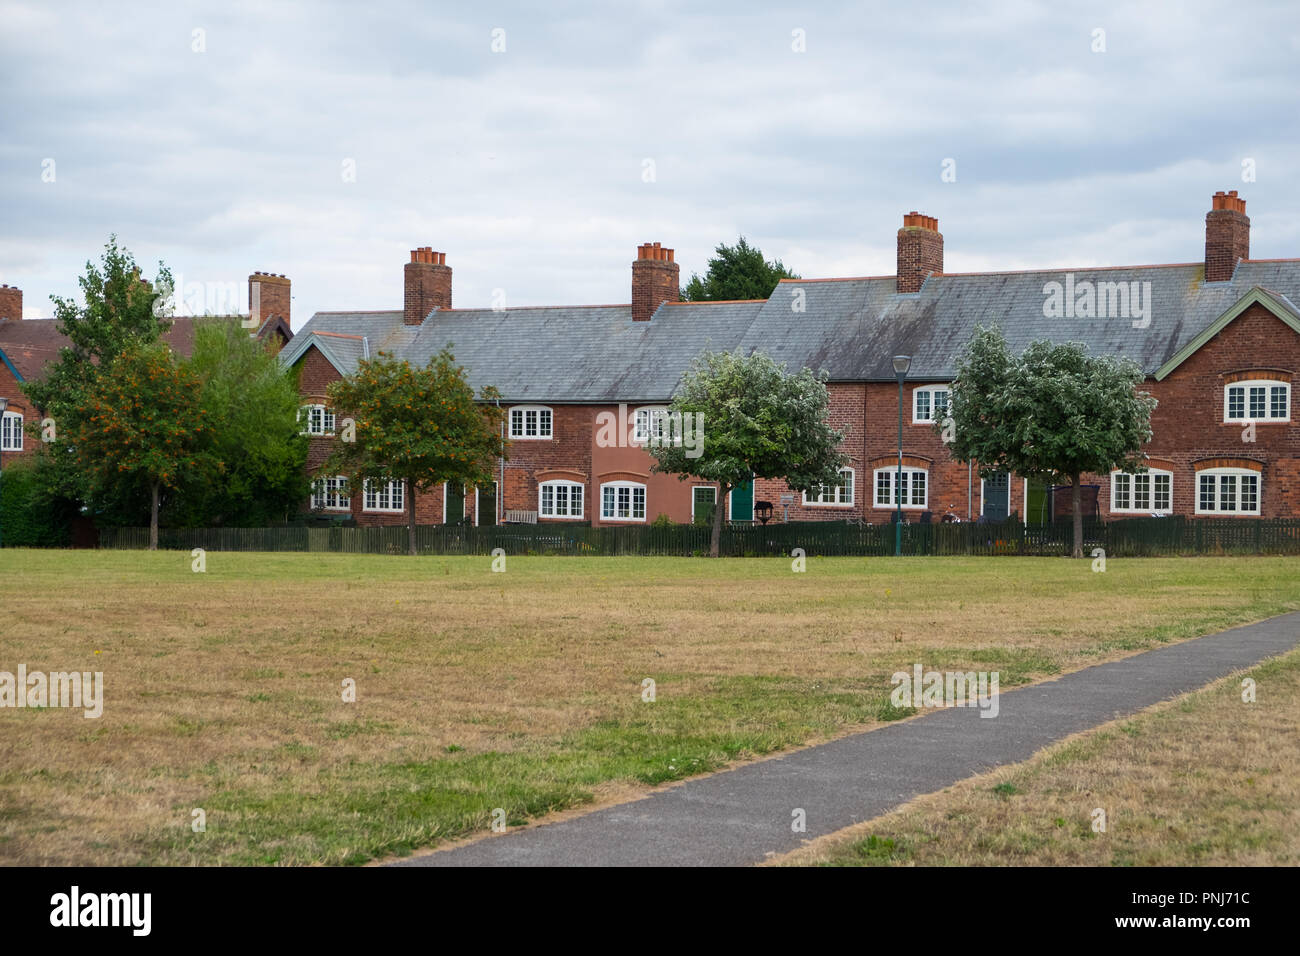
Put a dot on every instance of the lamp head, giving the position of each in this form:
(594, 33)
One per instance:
(902, 363)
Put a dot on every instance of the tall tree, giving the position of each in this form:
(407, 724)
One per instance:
(736, 272)
(419, 426)
(252, 404)
(141, 419)
(744, 417)
(119, 309)
(1053, 413)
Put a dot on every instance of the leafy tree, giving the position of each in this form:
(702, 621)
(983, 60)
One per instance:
(420, 426)
(1053, 413)
(736, 272)
(141, 419)
(755, 420)
(252, 405)
(120, 310)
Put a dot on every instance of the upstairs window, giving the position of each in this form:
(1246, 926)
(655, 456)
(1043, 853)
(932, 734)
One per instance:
(531, 423)
(316, 420)
(1257, 401)
(656, 423)
(930, 404)
(11, 432)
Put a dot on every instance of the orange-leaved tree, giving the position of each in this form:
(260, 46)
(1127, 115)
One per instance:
(141, 419)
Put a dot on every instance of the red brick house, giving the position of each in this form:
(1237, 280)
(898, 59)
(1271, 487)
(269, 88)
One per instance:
(27, 346)
(1218, 339)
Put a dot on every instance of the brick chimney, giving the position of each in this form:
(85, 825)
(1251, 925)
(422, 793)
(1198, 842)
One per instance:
(428, 284)
(920, 251)
(654, 280)
(1227, 236)
(268, 298)
(11, 302)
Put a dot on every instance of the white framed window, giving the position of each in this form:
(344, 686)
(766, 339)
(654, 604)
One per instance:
(839, 494)
(930, 404)
(11, 432)
(331, 494)
(915, 488)
(316, 420)
(531, 423)
(1257, 401)
(1227, 491)
(384, 495)
(658, 423)
(560, 499)
(622, 501)
(1147, 492)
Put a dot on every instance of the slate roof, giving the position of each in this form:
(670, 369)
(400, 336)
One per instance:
(568, 354)
(848, 328)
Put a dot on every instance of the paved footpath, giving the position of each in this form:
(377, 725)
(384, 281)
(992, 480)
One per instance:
(740, 816)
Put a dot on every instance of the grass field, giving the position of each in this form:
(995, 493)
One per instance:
(1207, 780)
(520, 690)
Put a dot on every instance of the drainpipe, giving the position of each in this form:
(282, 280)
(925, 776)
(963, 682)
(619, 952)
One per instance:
(501, 458)
(969, 479)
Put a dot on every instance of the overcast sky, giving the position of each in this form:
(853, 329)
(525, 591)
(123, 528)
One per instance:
(539, 167)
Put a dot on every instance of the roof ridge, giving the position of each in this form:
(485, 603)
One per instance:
(521, 308)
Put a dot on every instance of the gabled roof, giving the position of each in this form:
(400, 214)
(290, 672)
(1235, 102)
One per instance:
(1275, 302)
(344, 338)
(850, 329)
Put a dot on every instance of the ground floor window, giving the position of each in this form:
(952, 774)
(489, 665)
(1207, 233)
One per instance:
(560, 499)
(840, 493)
(622, 501)
(914, 485)
(1227, 491)
(1148, 492)
(385, 495)
(331, 494)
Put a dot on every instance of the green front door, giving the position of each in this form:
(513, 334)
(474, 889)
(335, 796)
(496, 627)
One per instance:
(487, 505)
(454, 513)
(742, 502)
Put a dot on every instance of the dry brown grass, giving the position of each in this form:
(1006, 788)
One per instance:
(478, 690)
(1204, 780)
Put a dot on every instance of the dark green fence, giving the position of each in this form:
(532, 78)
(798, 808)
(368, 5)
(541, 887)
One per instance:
(1128, 538)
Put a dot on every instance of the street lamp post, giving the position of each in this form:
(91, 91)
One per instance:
(4, 404)
(901, 364)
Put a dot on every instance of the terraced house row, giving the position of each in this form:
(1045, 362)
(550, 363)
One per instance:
(1219, 341)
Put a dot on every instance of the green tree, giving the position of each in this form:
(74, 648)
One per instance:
(748, 418)
(736, 272)
(119, 310)
(140, 418)
(251, 403)
(1053, 413)
(419, 426)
